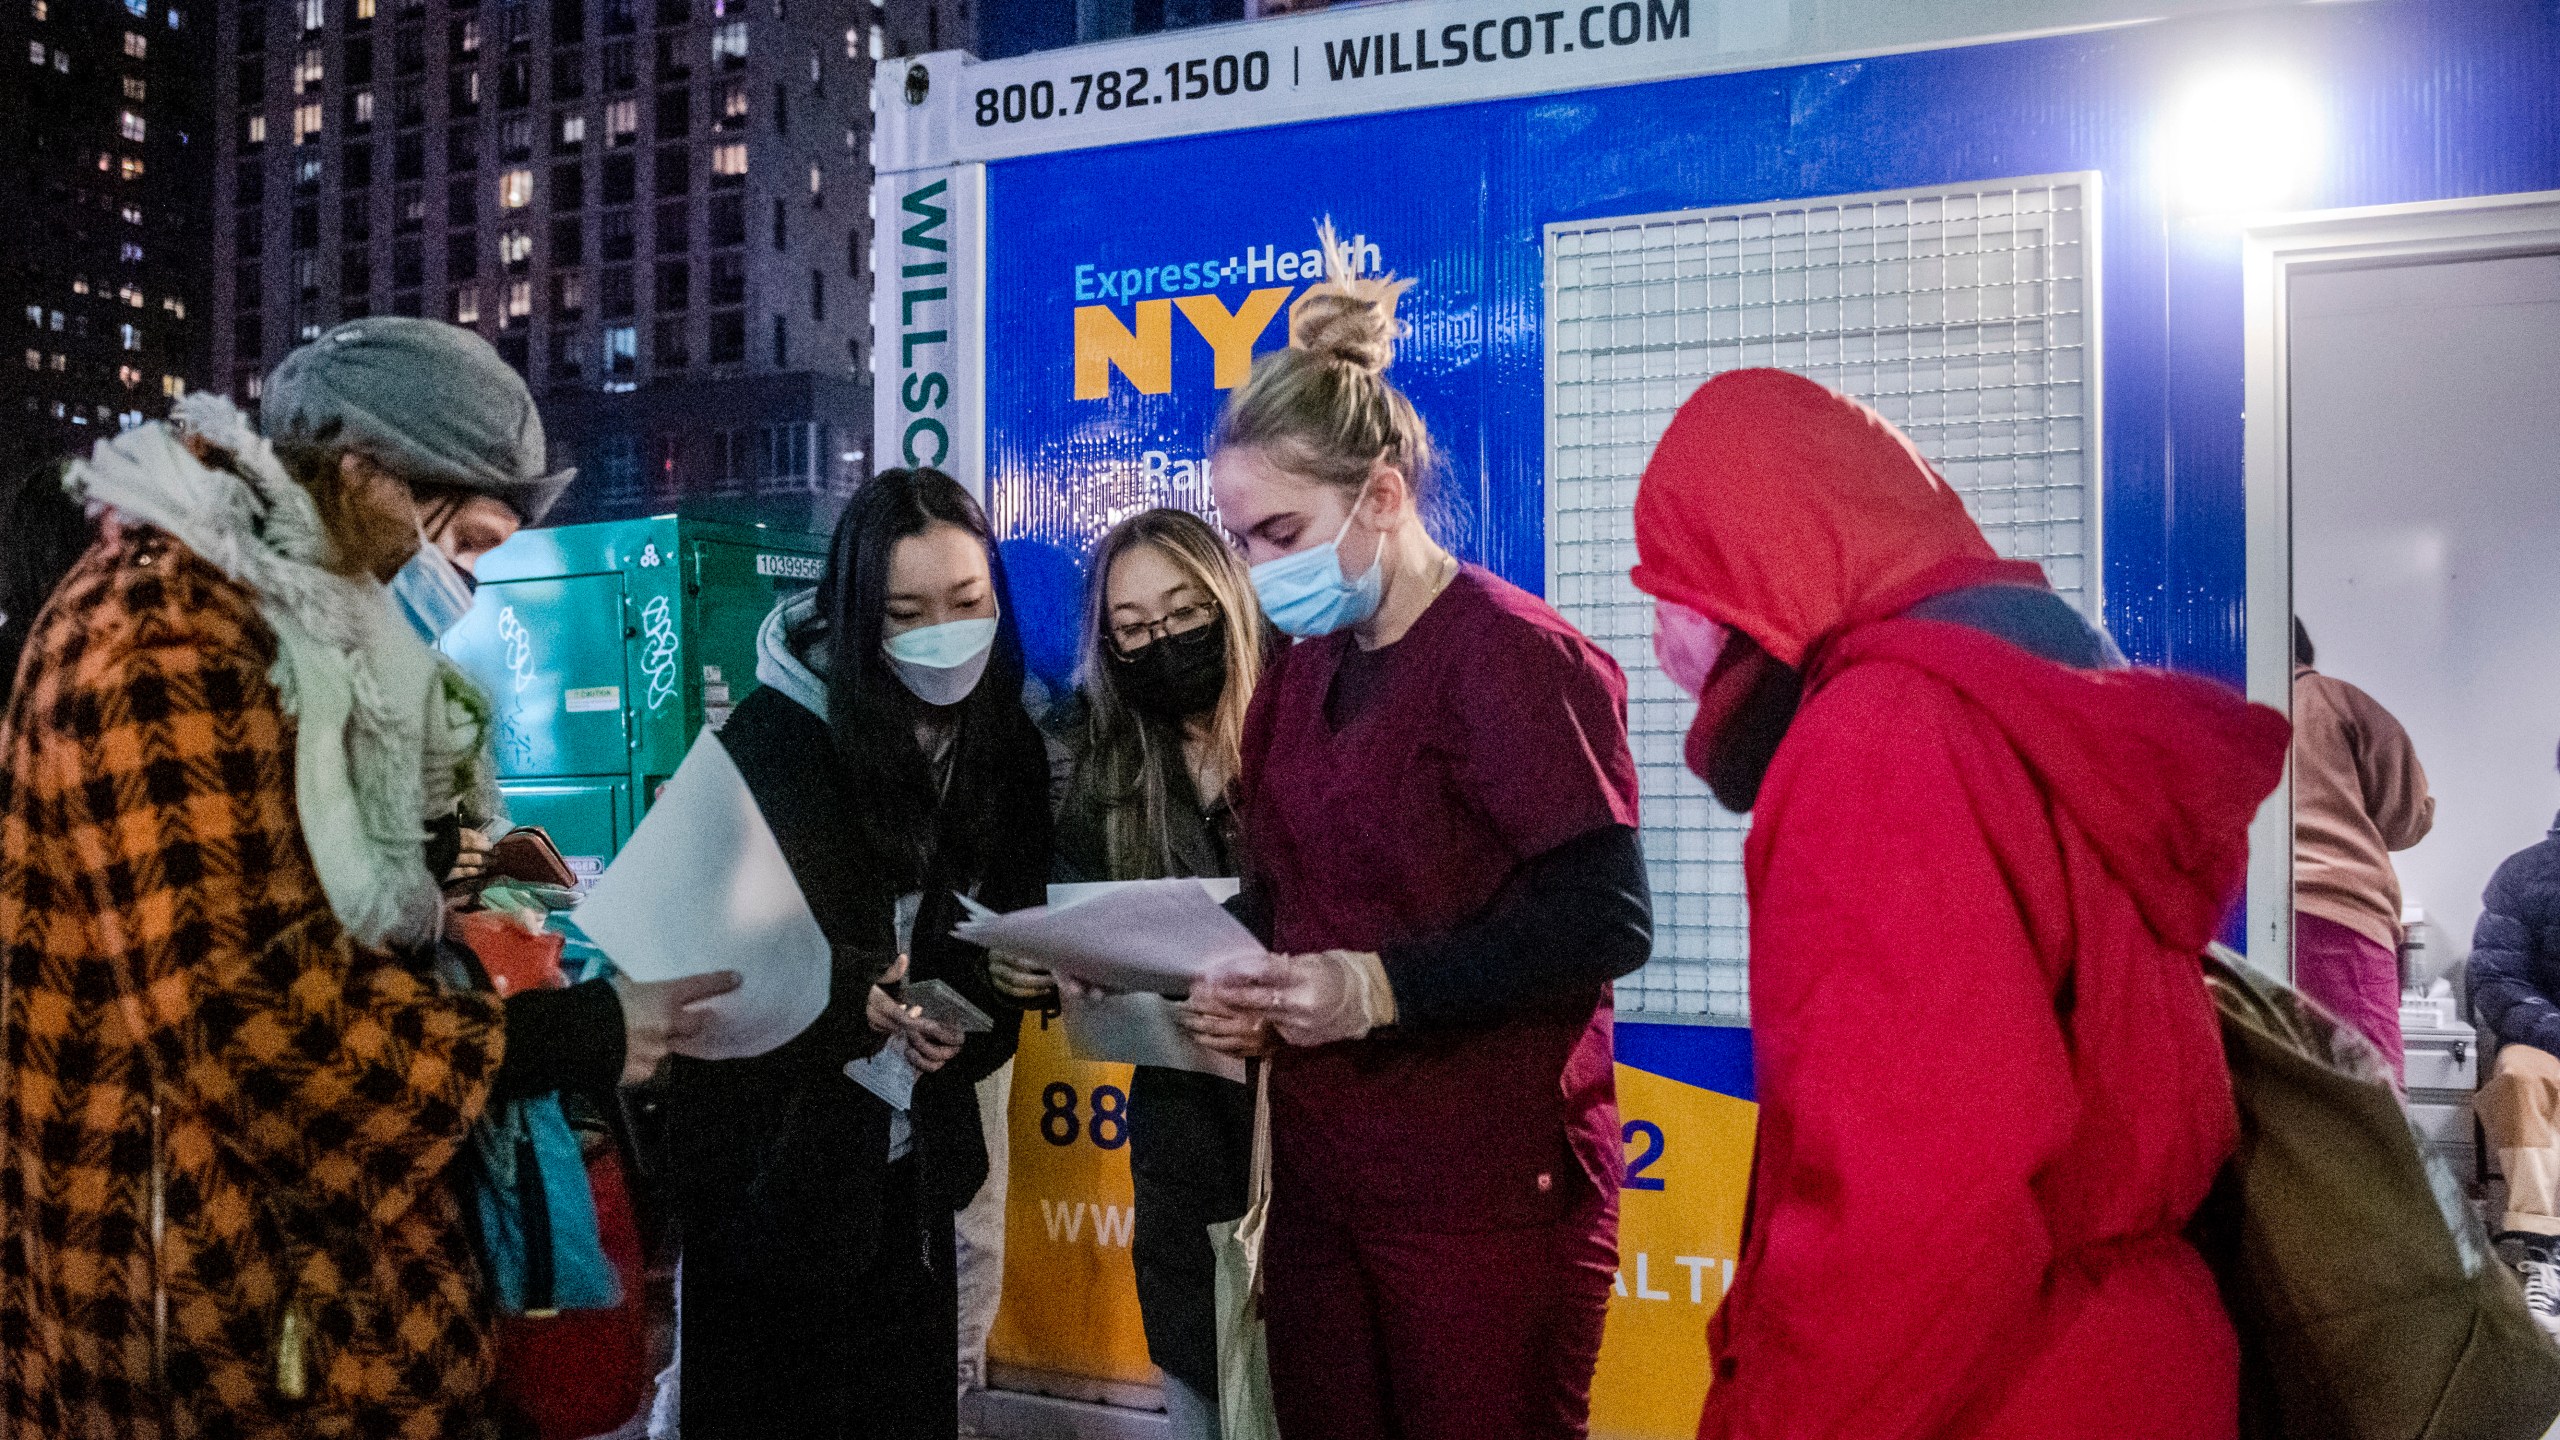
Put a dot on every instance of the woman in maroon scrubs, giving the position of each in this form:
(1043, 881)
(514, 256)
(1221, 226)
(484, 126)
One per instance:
(1441, 808)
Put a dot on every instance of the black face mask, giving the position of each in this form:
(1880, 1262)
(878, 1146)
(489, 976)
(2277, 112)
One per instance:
(1175, 677)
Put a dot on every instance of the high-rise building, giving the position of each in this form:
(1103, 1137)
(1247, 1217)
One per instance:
(657, 210)
(103, 197)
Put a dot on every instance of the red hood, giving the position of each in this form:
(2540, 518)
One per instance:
(2161, 772)
(1791, 512)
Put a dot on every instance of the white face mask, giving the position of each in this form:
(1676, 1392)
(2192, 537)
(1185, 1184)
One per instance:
(941, 664)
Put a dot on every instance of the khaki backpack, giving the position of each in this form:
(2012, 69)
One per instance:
(2368, 1301)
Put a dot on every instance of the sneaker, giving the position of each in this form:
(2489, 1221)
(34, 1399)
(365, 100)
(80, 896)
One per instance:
(2542, 1294)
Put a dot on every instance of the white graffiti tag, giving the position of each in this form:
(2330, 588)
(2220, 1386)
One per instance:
(658, 657)
(519, 643)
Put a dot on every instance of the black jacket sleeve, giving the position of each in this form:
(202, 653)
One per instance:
(1568, 921)
(562, 1040)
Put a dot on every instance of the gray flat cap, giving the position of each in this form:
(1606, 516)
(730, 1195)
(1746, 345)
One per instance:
(433, 400)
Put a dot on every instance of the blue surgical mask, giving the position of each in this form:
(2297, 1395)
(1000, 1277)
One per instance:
(1306, 594)
(433, 592)
(941, 663)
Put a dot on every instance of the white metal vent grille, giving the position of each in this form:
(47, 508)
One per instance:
(1966, 316)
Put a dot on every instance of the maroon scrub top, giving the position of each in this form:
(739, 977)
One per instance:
(1498, 733)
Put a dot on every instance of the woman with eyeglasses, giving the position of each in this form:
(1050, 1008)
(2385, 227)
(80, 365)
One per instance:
(1173, 643)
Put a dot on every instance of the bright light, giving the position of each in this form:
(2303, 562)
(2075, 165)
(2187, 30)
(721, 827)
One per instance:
(2243, 140)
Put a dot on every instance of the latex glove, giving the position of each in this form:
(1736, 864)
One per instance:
(1309, 999)
(929, 1045)
(1020, 978)
(1217, 1026)
(657, 1015)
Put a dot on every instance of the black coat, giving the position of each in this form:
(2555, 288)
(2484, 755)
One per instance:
(2515, 949)
(1190, 1135)
(780, 1159)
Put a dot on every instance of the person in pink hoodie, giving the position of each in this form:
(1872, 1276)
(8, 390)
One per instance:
(1983, 858)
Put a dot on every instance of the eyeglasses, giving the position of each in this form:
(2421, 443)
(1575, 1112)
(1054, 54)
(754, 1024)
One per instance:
(1132, 636)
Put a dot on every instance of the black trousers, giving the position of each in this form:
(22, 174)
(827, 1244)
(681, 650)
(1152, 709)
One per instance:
(772, 1351)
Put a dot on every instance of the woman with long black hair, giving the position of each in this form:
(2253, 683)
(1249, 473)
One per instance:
(890, 752)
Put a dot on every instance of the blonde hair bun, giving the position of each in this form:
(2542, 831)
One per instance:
(1345, 317)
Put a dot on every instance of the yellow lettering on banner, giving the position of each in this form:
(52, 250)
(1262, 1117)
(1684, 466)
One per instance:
(1070, 1292)
(1230, 337)
(1676, 1250)
(1145, 356)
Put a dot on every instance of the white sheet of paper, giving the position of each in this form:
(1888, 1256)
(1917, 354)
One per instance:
(1139, 1029)
(1151, 935)
(887, 1073)
(702, 886)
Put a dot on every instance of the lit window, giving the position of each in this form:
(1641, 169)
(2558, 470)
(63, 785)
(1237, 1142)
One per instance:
(62, 61)
(137, 46)
(466, 37)
(132, 167)
(131, 295)
(306, 122)
(132, 335)
(35, 359)
(364, 106)
(466, 304)
(173, 386)
(130, 418)
(729, 43)
(313, 68)
(132, 253)
(573, 131)
(57, 321)
(515, 247)
(364, 9)
(133, 214)
(131, 126)
(35, 9)
(853, 42)
(519, 299)
(621, 121)
(35, 52)
(139, 9)
(729, 160)
(134, 89)
(875, 42)
(733, 106)
(128, 376)
(174, 306)
(306, 175)
(310, 330)
(58, 361)
(621, 349)
(255, 386)
(315, 14)
(79, 285)
(515, 189)
(256, 133)
(817, 182)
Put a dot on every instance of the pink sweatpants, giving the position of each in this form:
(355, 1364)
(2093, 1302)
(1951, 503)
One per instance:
(2354, 978)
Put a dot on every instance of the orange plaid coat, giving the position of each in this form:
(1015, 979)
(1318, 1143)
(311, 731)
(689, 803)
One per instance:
(215, 1108)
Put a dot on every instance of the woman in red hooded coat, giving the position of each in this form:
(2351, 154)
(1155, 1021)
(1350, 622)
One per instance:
(1983, 858)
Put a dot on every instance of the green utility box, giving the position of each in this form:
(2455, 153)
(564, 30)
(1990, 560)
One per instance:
(606, 648)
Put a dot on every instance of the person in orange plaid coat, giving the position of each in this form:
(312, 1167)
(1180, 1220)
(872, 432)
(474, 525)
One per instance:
(231, 1088)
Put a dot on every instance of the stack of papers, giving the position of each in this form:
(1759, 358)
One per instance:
(1156, 936)
(1139, 942)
